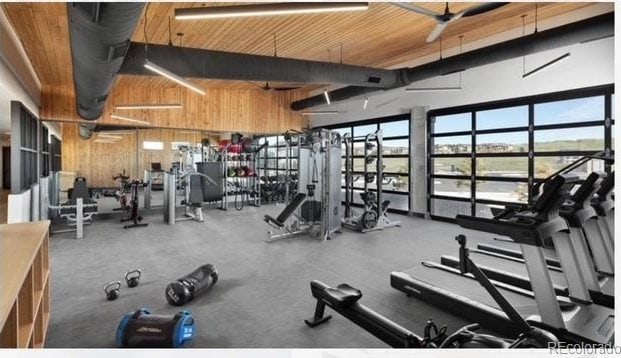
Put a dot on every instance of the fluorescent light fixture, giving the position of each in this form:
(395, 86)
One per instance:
(116, 132)
(547, 64)
(190, 132)
(171, 76)
(433, 89)
(220, 12)
(319, 113)
(327, 96)
(366, 103)
(104, 141)
(110, 136)
(128, 119)
(150, 106)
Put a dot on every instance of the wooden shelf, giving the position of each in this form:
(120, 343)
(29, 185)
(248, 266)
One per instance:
(25, 277)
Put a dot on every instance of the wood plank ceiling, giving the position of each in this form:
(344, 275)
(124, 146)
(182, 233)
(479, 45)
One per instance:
(382, 36)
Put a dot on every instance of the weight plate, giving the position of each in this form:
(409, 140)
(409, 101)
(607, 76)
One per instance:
(369, 220)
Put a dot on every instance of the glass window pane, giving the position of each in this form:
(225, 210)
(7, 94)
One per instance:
(395, 129)
(502, 191)
(502, 118)
(271, 152)
(511, 142)
(397, 201)
(485, 210)
(452, 145)
(502, 167)
(396, 183)
(452, 166)
(453, 123)
(359, 148)
(452, 187)
(359, 165)
(546, 166)
(361, 131)
(282, 163)
(395, 165)
(449, 208)
(570, 139)
(271, 140)
(397, 146)
(570, 111)
(271, 164)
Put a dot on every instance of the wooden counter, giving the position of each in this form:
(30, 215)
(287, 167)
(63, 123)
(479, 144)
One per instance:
(24, 284)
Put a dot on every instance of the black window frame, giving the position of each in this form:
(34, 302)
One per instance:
(607, 91)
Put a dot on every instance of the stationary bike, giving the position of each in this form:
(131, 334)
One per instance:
(123, 195)
(133, 206)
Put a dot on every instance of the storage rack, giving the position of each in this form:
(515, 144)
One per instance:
(242, 184)
(25, 277)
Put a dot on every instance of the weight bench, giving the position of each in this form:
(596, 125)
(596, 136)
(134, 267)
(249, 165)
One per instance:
(344, 300)
(279, 222)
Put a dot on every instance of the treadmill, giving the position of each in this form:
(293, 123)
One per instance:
(584, 323)
(586, 239)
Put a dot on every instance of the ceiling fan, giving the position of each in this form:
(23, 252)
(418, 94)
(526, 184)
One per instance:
(267, 87)
(448, 17)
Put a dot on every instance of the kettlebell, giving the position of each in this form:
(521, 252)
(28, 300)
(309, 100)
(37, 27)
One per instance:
(133, 277)
(112, 290)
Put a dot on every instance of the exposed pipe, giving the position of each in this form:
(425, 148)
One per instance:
(99, 35)
(199, 63)
(582, 31)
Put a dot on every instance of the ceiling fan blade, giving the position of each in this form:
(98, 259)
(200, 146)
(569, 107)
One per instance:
(416, 9)
(285, 88)
(481, 9)
(437, 31)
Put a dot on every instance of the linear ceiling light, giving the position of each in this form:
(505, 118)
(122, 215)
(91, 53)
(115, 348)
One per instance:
(128, 119)
(109, 136)
(547, 64)
(433, 89)
(171, 76)
(116, 132)
(365, 103)
(150, 106)
(104, 141)
(219, 12)
(327, 96)
(319, 113)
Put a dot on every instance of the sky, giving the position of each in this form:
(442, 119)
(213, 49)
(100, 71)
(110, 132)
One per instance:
(569, 111)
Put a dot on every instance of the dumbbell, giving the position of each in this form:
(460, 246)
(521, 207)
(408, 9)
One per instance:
(112, 290)
(191, 285)
(133, 277)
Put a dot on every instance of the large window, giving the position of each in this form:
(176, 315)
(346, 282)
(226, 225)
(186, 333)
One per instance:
(395, 154)
(275, 158)
(488, 155)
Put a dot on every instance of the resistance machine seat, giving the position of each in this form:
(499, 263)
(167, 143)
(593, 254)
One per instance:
(279, 222)
(79, 190)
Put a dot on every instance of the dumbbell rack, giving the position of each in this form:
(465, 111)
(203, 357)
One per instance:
(248, 184)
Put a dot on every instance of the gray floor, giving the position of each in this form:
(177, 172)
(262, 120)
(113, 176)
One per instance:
(263, 294)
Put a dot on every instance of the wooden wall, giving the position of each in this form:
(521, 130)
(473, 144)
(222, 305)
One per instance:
(98, 162)
(221, 109)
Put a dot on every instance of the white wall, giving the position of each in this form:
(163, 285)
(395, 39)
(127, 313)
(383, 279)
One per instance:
(590, 64)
